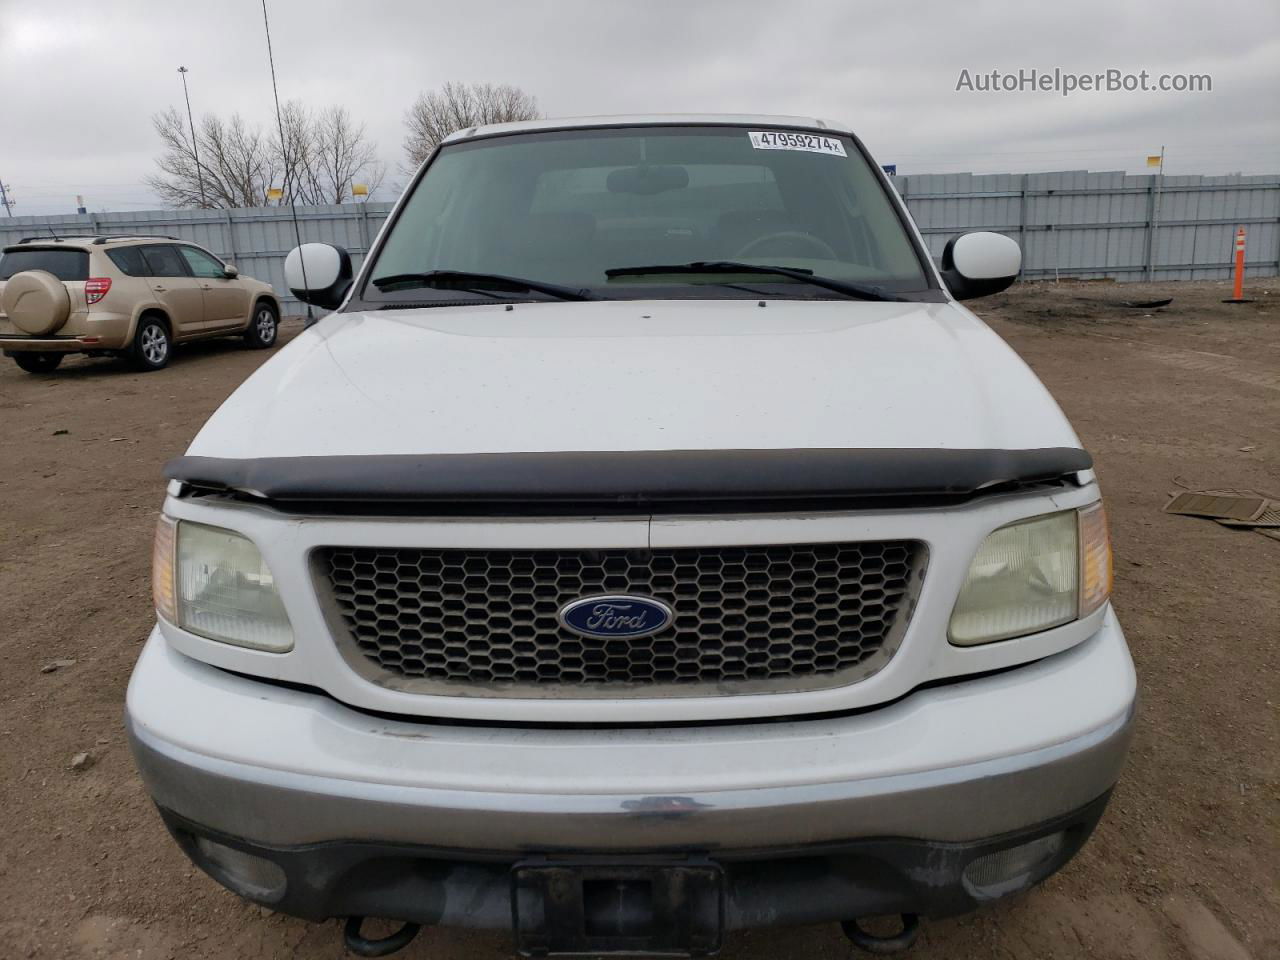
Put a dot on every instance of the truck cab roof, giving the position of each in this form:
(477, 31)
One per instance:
(648, 120)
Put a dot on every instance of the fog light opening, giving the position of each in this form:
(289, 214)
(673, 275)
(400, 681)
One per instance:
(1012, 869)
(252, 877)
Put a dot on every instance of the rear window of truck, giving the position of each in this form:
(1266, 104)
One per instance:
(63, 264)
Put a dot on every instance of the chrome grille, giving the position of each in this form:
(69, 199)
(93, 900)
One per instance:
(746, 618)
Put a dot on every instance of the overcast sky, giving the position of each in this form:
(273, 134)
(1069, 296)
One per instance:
(79, 81)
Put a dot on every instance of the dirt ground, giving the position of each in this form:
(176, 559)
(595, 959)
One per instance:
(1186, 863)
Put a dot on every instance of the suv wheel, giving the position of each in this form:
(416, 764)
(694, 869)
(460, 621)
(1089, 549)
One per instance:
(151, 345)
(37, 362)
(263, 327)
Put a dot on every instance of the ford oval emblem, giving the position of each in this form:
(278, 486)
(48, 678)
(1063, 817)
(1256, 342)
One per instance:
(616, 616)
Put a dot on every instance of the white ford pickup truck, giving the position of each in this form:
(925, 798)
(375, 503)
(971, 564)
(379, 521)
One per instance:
(647, 546)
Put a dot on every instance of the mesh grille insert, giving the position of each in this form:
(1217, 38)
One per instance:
(797, 616)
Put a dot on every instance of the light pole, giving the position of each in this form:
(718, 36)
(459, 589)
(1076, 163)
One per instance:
(204, 201)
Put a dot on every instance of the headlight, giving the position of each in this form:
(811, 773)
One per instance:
(1033, 575)
(215, 583)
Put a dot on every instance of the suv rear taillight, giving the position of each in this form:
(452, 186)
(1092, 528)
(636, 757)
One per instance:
(95, 288)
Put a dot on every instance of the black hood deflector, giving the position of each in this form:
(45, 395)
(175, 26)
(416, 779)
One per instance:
(639, 477)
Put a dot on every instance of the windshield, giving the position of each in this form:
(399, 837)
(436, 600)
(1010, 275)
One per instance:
(601, 211)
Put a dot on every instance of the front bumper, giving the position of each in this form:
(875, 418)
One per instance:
(986, 760)
(792, 886)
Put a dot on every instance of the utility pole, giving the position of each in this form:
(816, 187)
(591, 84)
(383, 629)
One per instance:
(204, 201)
(4, 198)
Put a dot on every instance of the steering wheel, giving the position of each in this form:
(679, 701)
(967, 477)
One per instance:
(817, 245)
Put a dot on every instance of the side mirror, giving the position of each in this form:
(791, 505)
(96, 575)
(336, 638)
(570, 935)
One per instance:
(319, 274)
(980, 264)
(230, 271)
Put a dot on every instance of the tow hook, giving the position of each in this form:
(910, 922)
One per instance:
(364, 947)
(896, 943)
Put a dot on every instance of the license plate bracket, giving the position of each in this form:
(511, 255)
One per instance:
(618, 907)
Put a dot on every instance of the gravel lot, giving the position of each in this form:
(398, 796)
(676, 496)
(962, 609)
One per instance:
(1186, 863)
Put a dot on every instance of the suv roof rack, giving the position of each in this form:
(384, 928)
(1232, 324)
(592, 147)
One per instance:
(108, 237)
(100, 238)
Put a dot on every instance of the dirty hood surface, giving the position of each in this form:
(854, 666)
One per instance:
(639, 375)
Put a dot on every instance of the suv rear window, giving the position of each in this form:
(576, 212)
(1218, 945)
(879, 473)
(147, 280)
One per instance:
(63, 264)
(129, 261)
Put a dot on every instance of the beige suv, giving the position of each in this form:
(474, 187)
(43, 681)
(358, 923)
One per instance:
(123, 296)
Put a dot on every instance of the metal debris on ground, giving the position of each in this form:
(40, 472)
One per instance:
(1134, 304)
(1270, 517)
(1243, 509)
(1218, 506)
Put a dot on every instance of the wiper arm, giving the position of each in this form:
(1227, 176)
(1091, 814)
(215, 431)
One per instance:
(860, 291)
(408, 281)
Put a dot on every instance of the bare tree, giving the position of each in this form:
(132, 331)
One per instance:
(456, 106)
(318, 160)
(337, 154)
(238, 163)
(295, 152)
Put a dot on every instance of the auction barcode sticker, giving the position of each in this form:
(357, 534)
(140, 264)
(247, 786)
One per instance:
(787, 140)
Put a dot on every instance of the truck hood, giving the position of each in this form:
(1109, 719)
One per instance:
(639, 376)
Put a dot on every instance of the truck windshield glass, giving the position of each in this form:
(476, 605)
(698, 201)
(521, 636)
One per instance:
(600, 211)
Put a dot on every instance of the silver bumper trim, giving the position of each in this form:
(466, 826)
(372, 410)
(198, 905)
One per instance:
(963, 803)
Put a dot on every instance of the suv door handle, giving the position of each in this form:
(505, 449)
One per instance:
(159, 288)
(206, 286)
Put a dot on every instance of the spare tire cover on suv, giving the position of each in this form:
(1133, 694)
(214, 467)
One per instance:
(36, 302)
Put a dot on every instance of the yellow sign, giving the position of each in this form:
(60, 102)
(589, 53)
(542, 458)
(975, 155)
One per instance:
(359, 190)
(274, 193)
(1153, 161)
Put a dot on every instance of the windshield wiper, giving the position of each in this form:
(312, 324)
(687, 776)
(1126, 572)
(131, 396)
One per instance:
(861, 291)
(431, 278)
